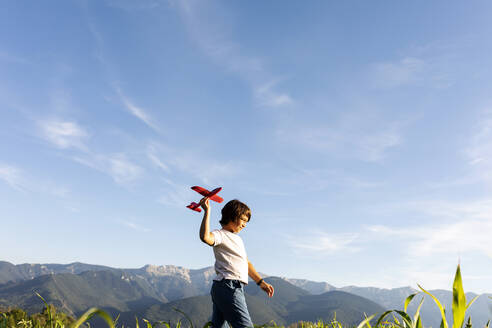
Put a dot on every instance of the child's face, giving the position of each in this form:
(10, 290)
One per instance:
(239, 224)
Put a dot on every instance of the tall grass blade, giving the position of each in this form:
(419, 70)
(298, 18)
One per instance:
(50, 318)
(382, 316)
(3, 323)
(89, 314)
(366, 322)
(459, 300)
(416, 317)
(395, 319)
(149, 325)
(444, 322)
(408, 300)
(185, 315)
(165, 324)
(472, 301)
(407, 321)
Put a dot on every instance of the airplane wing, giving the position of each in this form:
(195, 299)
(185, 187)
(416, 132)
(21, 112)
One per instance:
(201, 191)
(211, 194)
(217, 199)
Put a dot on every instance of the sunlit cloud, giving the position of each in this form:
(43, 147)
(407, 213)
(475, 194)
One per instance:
(63, 134)
(463, 227)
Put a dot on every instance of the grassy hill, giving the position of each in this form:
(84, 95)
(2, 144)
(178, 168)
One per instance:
(289, 304)
(74, 294)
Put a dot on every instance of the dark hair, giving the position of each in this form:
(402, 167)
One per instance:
(233, 210)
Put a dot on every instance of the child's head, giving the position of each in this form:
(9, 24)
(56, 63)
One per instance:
(233, 211)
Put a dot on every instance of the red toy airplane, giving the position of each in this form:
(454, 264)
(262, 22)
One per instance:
(209, 194)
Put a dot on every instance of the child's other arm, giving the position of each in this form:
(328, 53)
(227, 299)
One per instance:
(267, 288)
(205, 235)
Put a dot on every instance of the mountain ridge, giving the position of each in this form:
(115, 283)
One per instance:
(152, 286)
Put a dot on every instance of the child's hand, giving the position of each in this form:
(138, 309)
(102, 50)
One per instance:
(267, 288)
(205, 204)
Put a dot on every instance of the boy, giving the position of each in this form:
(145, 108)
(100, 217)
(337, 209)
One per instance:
(231, 265)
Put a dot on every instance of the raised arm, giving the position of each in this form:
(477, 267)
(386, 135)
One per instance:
(205, 235)
(267, 288)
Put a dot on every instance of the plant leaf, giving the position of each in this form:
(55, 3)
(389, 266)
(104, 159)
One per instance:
(382, 316)
(89, 314)
(416, 318)
(407, 321)
(459, 300)
(185, 315)
(472, 301)
(408, 300)
(444, 322)
(366, 321)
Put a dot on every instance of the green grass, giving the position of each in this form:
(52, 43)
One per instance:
(389, 319)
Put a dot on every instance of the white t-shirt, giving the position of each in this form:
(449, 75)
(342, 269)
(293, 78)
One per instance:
(231, 261)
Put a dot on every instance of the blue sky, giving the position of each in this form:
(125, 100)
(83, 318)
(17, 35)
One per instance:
(359, 133)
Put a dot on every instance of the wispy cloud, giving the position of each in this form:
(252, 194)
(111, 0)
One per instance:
(152, 155)
(324, 243)
(479, 151)
(118, 166)
(130, 105)
(349, 136)
(457, 228)
(423, 244)
(12, 176)
(207, 170)
(404, 71)
(21, 181)
(209, 33)
(137, 111)
(63, 134)
(135, 226)
(176, 195)
(266, 96)
(427, 66)
(70, 135)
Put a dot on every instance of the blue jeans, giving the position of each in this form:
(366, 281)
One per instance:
(229, 305)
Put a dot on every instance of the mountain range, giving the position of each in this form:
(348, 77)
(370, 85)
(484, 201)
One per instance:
(153, 292)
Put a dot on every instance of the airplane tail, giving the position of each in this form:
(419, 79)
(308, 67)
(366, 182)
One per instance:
(195, 207)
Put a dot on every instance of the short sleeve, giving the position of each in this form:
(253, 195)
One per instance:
(217, 237)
